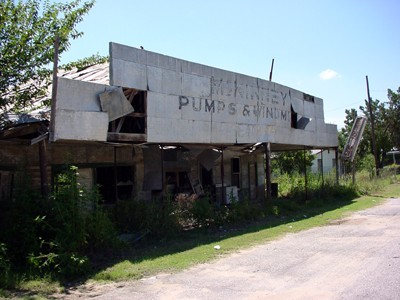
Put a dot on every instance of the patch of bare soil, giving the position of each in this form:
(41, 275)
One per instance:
(89, 290)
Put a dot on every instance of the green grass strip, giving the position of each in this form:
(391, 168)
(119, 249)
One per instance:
(155, 262)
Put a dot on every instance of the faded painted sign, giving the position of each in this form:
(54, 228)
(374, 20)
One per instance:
(193, 103)
(350, 149)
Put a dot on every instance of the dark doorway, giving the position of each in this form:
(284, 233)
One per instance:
(207, 179)
(235, 174)
(253, 180)
(113, 188)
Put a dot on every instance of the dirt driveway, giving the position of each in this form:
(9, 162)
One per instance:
(355, 258)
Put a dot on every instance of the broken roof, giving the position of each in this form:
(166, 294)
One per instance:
(187, 103)
(40, 111)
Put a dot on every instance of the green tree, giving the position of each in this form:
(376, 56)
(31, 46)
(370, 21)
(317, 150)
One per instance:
(393, 117)
(382, 138)
(27, 33)
(351, 115)
(387, 129)
(291, 162)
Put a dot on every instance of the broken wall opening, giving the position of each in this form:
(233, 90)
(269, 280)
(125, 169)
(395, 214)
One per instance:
(134, 122)
(6, 185)
(115, 182)
(176, 169)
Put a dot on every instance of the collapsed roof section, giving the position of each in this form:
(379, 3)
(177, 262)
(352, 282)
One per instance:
(153, 98)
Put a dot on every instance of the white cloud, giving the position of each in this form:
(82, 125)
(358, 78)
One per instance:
(328, 74)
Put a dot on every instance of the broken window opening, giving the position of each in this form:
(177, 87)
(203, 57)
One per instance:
(6, 185)
(308, 97)
(134, 122)
(207, 180)
(235, 165)
(113, 188)
(177, 182)
(176, 168)
(170, 154)
(293, 115)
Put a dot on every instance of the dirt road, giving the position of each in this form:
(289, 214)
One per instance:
(355, 258)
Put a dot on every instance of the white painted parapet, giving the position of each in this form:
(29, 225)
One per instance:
(78, 114)
(192, 103)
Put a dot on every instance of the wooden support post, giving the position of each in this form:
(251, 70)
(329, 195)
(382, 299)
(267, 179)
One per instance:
(222, 176)
(337, 165)
(322, 167)
(44, 184)
(162, 171)
(305, 175)
(371, 115)
(267, 149)
(115, 175)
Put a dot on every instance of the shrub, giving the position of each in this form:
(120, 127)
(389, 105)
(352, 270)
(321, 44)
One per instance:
(203, 211)
(158, 217)
(18, 229)
(243, 210)
(56, 235)
(5, 275)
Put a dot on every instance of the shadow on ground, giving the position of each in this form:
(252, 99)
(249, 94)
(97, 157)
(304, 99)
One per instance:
(286, 211)
(281, 211)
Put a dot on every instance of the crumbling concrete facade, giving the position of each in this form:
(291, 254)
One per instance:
(169, 125)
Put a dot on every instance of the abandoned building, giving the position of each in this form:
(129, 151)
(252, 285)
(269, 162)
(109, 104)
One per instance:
(147, 124)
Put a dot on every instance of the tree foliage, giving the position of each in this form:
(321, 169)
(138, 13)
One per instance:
(86, 62)
(27, 33)
(387, 128)
(393, 117)
(291, 162)
(383, 144)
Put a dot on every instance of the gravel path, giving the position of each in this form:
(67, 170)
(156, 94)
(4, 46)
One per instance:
(354, 258)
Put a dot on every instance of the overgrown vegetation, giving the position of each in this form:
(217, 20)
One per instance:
(53, 237)
(386, 115)
(198, 246)
(60, 238)
(86, 62)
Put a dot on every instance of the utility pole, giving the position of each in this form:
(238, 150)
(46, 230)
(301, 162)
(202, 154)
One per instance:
(54, 87)
(267, 152)
(44, 183)
(371, 115)
(272, 69)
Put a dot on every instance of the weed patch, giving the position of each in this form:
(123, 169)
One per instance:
(73, 236)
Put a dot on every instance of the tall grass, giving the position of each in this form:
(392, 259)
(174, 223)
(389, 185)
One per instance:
(57, 237)
(294, 216)
(315, 186)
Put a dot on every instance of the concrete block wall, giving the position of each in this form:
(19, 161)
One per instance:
(78, 113)
(193, 103)
(78, 95)
(80, 125)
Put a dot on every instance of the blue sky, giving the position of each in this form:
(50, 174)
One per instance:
(321, 47)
